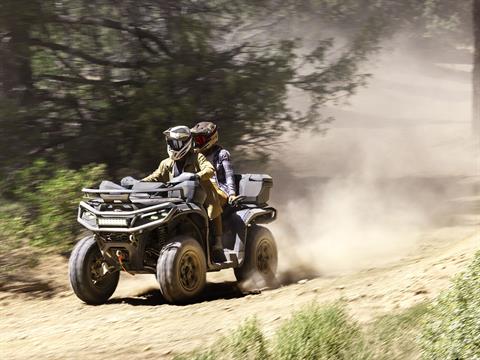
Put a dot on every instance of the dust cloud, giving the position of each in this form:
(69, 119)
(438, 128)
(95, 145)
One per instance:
(390, 168)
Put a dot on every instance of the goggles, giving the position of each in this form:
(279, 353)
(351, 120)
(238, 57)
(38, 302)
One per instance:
(176, 144)
(200, 140)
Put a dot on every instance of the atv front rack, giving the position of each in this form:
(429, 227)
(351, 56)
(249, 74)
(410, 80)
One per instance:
(91, 218)
(122, 195)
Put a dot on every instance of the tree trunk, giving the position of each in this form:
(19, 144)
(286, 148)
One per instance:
(476, 70)
(15, 55)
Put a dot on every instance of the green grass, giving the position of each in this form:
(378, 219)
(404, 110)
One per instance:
(314, 332)
(396, 336)
(448, 328)
(325, 332)
(452, 330)
(317, 332)
(247, 342)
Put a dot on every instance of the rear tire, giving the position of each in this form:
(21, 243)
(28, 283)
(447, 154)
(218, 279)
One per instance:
(261, 258)
(181, 270)
(84, 266)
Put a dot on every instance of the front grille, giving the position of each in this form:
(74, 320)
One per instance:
(115, 237)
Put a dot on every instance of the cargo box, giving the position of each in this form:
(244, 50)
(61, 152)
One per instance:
(254, 187)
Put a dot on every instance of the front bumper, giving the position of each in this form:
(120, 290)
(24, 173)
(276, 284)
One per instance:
(89, 217)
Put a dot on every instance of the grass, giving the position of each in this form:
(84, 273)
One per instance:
(452, 330)
(448, 328)
(317, 332)
(247, 342)
(396, 336)
(324, 332)
(314, 332)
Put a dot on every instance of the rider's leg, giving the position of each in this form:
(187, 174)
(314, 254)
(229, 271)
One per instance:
(218, 232)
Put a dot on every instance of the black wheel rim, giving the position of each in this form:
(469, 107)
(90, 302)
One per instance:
(265, 256)
(189, 271)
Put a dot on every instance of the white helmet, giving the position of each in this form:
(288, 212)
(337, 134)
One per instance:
(179, 141)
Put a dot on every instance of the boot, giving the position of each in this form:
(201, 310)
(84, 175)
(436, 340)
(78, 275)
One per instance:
(217, 253)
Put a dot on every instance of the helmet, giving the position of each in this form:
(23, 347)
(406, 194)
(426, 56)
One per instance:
(179, 141)
(205, 135)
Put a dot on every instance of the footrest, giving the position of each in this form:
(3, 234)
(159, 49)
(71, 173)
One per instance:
(223, 265)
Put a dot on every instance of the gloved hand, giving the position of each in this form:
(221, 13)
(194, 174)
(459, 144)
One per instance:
(195, 177)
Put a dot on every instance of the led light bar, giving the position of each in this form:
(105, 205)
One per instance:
(112, 222)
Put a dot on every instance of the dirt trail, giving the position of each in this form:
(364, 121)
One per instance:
(138, 324)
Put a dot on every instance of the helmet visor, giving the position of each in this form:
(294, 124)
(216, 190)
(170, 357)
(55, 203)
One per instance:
(200, 140)
(176, 144)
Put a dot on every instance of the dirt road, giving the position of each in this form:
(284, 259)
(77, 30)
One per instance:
(137, 324)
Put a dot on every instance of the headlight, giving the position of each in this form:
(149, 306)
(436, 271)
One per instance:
(87, 215)
(112, 222)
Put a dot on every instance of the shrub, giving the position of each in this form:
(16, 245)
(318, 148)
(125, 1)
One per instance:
(452, 331)
(320, 333)
(395, 336)
(247, 342)
(57, 201)
(314, 332)
(48, 199)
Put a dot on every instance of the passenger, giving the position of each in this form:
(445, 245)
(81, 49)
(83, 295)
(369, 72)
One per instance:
(181, 159)
(205, 137)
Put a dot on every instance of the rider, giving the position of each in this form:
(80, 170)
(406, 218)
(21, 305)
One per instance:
(205, 136)
(181, 159)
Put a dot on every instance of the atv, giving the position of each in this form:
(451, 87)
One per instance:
(163, 229)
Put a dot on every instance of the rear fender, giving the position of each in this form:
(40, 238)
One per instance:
(236, 228)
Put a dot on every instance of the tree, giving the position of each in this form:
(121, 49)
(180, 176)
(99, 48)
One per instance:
(108, 79)
(440, 28)
(476, 69)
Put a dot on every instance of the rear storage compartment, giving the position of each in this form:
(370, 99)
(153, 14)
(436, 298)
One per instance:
(255, 188)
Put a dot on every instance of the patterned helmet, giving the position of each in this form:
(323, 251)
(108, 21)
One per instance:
(205, 135)
(179, 141)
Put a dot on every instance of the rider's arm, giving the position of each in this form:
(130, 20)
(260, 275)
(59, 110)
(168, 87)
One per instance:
(161, 174)
(206, 168)
(224, 157)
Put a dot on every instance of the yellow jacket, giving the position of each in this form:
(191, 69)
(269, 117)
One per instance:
(195, 163)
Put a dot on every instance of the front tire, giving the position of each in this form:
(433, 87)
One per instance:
(261, 258)
(181, 270)
(85, 267)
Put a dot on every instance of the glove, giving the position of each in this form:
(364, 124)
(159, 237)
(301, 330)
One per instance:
(195, 177)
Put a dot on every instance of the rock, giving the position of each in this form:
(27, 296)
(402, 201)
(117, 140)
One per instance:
(303, 281)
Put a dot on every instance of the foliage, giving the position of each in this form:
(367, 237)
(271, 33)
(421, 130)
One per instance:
(13, 240)
(394, 336)
(46, 203)
(320, 333)
(247, 342)
(314, 332)
(105, 80)
(452, 331)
